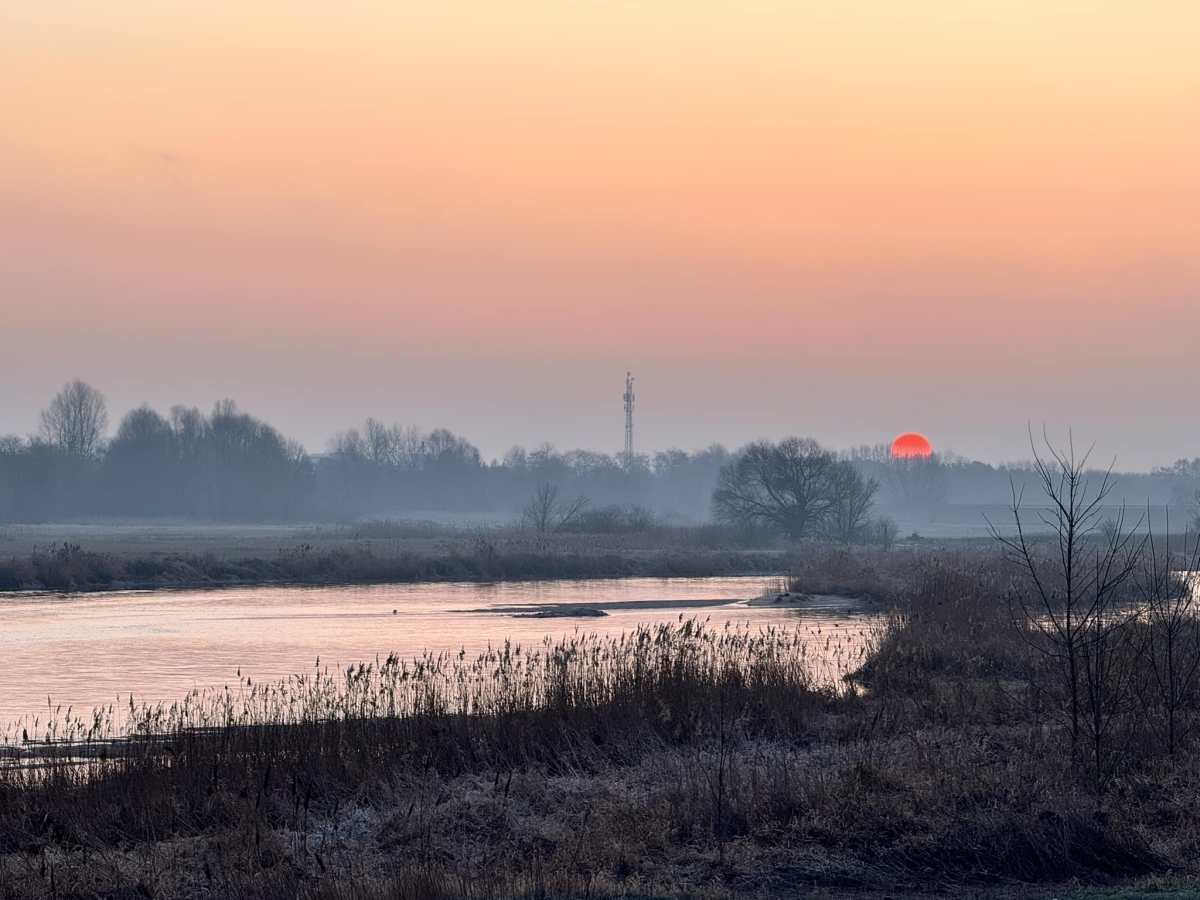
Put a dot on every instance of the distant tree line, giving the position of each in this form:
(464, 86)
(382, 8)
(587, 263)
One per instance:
(376, 469)
(943, 479)
(227, 465)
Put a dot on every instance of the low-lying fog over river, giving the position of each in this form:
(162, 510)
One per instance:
(91, 650)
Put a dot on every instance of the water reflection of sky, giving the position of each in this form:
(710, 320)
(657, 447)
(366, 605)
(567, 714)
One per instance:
(86, 651)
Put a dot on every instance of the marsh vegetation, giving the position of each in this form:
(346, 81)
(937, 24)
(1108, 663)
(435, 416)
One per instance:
(679, 760)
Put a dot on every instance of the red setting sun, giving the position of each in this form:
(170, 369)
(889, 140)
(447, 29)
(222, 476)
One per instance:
(911, 444)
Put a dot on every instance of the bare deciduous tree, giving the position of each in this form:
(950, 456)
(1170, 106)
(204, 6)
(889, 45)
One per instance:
(75, 420)
(778, 486)
(538, 513)
(1068, 594)
(548, 510)
(793, 487)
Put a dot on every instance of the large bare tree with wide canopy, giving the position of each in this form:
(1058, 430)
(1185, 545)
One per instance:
(795, 487)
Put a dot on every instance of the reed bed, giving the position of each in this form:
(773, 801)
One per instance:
(667, 668)
(272, 752)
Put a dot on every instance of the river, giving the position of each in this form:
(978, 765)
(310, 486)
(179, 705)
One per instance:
(90, 650)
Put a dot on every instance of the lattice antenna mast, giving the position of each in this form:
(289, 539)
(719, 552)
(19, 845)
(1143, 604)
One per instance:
(628, 420)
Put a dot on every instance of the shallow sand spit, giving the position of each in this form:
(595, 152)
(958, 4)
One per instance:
(777, 599)
(781, 598)
(595, 610)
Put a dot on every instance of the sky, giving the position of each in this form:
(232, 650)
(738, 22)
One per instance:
(843, 220)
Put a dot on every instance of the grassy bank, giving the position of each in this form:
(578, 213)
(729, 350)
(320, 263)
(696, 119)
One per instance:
(99, 557)
(378, 553)
(71, 568)
(675, 762)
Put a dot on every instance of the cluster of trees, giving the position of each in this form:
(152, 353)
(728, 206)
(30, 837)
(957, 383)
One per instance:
(229, 465)
(226, 465)
(941, 479)
(376, 469)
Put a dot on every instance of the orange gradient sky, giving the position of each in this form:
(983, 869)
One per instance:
(837, 219)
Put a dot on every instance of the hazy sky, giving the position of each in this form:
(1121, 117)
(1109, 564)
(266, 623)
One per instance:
(844, 219)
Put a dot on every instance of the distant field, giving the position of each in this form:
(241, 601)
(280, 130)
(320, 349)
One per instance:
(226, 540)
(416, 532)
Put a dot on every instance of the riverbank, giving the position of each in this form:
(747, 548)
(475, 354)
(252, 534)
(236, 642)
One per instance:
(71, 568)
(99, 558)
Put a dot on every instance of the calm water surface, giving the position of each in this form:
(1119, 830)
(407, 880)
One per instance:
(96, 649)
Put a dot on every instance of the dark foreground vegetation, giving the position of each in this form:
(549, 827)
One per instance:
(967, 750)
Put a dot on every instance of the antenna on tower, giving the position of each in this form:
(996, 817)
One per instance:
(628, 420)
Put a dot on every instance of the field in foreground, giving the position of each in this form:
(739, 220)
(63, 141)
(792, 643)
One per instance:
(676, 762)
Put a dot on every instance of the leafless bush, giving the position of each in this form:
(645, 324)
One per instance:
(548, 510)
(1069, 600)
(612, 520)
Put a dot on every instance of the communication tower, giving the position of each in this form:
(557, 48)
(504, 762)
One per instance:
(628, 420)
